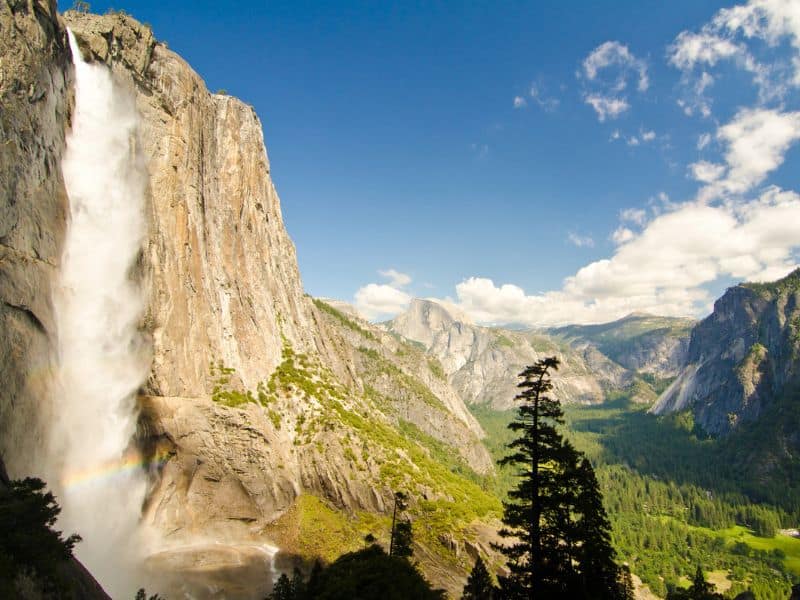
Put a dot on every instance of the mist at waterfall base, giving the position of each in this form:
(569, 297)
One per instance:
(102, 359)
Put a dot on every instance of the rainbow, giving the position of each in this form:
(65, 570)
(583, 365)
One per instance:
(119, 468)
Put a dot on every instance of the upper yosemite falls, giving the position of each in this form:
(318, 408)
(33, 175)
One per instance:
(211, 430)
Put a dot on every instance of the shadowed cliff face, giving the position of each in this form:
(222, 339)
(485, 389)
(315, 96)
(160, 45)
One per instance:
(35, 80)
(741, 357)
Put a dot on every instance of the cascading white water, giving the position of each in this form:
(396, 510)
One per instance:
(102, 360)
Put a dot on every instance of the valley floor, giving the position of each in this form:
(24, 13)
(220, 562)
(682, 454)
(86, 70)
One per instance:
(670, 508)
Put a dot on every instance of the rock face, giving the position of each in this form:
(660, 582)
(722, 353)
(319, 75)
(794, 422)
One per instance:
(741, 357)
(410, 386)
(35, 101)
(482, 363)
(220, 268)
(258, 397)
(639, 342)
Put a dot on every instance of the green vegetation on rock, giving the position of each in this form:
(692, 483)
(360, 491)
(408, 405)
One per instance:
(343, 319)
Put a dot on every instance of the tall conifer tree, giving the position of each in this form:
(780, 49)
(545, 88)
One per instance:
(560, 535)
(479, 585)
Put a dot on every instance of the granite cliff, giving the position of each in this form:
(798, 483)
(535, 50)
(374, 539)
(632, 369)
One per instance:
(36, 101)
(741, 358)
(263, 411)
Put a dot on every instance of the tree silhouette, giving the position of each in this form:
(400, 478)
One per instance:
(599, 575)
(530, 515)
(559, 531)
(403, 539)
(401, 535)
(371, 574)
(282, 590)
(28, 542)
(479, 583)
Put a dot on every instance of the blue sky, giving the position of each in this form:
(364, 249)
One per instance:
(536, 163)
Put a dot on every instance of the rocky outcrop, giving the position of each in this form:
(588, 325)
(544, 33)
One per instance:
(741, 357)
(482, 363)
(410, 385)
(35, 108)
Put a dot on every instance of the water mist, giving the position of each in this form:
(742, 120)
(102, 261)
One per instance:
(101, 356)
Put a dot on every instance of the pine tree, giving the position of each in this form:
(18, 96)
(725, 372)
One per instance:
(282, 590)
(401, 536)
(479, 584)
(298, 586)
(561, 542)
(531, 515)
(403, 539)
(314, 584)
(699, 590)
(599, 575)
(626, 588)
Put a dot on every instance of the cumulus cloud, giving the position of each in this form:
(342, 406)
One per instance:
(622, 235)
(648, 136)
(376, 300)
(383, 300)
(705, 171)
(606, 107)
(755, 141)
(581, 241)
(607, 72)
(520, 102)
(662, 270)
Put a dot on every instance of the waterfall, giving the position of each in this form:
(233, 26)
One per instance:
(102, 359)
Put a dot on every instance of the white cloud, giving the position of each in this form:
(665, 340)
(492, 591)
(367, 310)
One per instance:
(703, 140)
(648, 136)
(580, 241)
(633, 215)
(728, 37)
(756, 141)
(396, 278)
(376, 300)
(547, 103)
(615, 135)
(662, 270)
(613, 53)
(705, 171)
(606, 107)
(606, 73)
(382, 300)
(622, 235)
(707, 48)
(633, 141)
(769, 20)
(520, 102)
